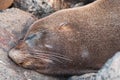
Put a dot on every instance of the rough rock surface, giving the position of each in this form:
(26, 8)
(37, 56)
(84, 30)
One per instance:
(39, 8)
(88, 76)
(111, 70)
(12, 22)
(63, 4)
(42, 8)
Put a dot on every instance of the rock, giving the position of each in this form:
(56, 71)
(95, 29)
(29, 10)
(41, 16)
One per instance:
(12, 22)
(63, 4)
(5, 4)
(88, 76)
(111, 70)
(39, 8)
(59, 4)
(42, 8)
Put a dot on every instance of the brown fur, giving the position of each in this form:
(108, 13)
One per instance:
(71, 41)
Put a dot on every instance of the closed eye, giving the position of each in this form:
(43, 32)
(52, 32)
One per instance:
(31, 36)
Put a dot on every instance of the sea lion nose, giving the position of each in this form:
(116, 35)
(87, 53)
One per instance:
(16, 55)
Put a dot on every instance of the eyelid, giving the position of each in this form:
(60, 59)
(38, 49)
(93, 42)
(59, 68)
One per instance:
(31, 36)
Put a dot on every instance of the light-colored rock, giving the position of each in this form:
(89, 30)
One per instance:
(12, 22)
(39, 8)
(88, 76)
(63, 4)
(111, 70)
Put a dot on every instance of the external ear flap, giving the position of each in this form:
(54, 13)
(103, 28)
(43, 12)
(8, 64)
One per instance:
(65, 26)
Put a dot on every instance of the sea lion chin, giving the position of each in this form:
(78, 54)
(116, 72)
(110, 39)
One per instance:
(71, 41)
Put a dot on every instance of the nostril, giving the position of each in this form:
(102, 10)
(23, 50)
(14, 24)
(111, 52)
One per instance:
(20, 63)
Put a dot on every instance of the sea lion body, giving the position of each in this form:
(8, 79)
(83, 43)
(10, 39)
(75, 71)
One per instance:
(71, 41)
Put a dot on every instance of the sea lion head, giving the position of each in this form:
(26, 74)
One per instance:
(47, 49)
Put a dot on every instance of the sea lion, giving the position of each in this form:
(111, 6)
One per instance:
(71, 41)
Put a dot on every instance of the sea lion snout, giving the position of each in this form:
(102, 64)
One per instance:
(20, 55)
(21, 58)
(16, 56)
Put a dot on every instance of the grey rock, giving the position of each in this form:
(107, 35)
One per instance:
(13, 25)
(111, 70)
(42, 8)
(39, 8)
(88, 76)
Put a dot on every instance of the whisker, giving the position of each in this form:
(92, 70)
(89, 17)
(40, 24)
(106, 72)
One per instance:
(47, 56)
(55, 57)
(58, 55)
